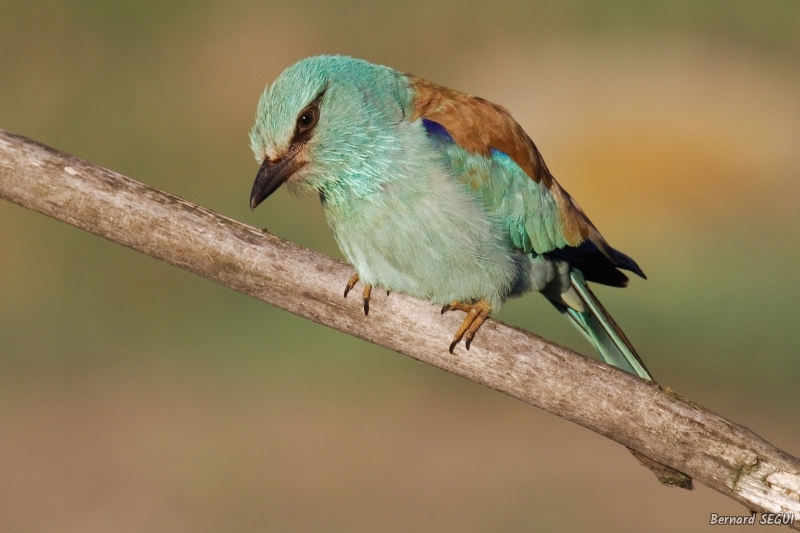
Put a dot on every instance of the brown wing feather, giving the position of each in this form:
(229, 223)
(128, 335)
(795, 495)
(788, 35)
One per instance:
(478, 125)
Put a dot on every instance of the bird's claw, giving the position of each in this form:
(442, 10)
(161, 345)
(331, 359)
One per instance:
(477, 314)
(350, 284)
(366, 294)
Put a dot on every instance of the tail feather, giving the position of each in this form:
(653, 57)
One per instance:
(601, 331)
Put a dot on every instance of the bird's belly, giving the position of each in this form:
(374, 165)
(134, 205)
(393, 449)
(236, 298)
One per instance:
(440, 248)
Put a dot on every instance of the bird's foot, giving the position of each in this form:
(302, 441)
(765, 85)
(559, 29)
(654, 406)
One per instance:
(350, 284)
(366, 294)
(477, 314)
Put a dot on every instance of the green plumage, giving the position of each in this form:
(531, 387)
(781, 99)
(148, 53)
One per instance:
(524, 207)
(413, 210)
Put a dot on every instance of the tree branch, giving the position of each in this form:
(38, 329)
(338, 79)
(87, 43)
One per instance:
(652, 422)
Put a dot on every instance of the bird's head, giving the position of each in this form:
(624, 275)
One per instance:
(321, 122)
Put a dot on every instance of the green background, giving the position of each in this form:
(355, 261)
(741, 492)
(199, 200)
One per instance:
(137, 397)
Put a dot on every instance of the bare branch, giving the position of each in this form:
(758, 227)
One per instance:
(652, 422)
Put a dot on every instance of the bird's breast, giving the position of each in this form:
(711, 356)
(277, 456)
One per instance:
(428, 237)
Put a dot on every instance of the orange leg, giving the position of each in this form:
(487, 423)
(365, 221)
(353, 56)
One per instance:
(477, 314)
(367, 291)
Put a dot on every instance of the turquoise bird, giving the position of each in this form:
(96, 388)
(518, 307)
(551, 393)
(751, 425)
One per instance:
(436, 194)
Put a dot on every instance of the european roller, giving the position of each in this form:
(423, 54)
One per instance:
(437, 194)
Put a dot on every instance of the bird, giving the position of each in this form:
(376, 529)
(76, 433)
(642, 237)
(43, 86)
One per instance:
(435, 193)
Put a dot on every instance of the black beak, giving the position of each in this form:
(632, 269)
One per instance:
(271, 176)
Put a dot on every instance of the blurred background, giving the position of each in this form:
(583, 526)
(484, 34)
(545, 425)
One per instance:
(137, 397)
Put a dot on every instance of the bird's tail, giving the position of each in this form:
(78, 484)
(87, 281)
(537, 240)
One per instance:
(600, 329)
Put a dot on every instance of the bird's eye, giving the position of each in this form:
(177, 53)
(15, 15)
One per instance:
(307, 119)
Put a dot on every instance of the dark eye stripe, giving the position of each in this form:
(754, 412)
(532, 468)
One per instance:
(310, 114)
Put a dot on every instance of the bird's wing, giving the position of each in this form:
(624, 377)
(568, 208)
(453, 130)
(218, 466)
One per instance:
(487, 149)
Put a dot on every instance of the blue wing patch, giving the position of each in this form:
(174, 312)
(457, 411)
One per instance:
(436, 131)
